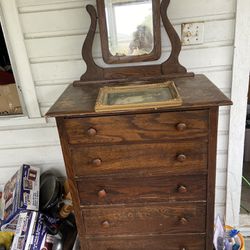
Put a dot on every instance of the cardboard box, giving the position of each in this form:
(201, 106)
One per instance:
(20, 193)
(32, 233)
(9, 100)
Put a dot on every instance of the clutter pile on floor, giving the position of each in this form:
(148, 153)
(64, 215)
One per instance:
(36, 212)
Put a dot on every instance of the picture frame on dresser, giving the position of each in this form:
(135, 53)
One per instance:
(141, 178)
(134, 97)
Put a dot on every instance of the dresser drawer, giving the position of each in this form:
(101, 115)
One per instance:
(164, 242)
(142, 127)
(171, 218)
(152, 159)
(118, 190)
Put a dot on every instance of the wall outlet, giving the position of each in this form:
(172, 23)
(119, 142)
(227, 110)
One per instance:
(192, 33)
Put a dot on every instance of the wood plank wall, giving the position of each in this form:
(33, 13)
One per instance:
(54, 31)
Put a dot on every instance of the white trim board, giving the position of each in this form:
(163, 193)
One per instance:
(240, 79)
(18, 56)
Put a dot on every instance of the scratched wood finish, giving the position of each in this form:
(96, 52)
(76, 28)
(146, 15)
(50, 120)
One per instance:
(136, 128)
(151, 158)
(154, 219)
(196, 92)
(124, 174)
(117, 190)
(163, 242)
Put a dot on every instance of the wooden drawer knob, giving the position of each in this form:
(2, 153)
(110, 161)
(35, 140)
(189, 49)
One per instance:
(181, 126)
(181, 157)
(183, 221)
(182, 189)
(97, 162)
(102, 193)
(105, 224)
(92, 132)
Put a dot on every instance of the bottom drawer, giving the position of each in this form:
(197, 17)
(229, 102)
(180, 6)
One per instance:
(173, 242)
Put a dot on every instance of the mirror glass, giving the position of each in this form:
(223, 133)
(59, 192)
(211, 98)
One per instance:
(129, 27)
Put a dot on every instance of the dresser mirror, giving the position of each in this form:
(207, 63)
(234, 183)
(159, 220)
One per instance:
(130, 30)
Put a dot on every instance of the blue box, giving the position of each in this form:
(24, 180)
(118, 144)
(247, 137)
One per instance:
(32, 232)
(20, 193)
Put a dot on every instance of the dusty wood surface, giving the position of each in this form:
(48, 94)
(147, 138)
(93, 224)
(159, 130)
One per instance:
(196, 92)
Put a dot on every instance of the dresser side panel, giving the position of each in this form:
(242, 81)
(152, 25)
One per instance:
(212, 152)
(71, 181)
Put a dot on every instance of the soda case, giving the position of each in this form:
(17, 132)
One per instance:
(32, 232)
(20, 193)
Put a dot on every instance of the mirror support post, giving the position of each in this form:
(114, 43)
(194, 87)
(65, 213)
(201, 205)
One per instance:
(169, 69)
(172, 65)
(93, 72)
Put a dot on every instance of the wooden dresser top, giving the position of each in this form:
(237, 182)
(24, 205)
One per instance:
(196, 92)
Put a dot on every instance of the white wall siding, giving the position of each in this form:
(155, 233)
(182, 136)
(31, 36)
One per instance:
(54, 31)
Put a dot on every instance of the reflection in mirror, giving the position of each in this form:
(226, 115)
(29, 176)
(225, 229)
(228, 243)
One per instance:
(130, 27)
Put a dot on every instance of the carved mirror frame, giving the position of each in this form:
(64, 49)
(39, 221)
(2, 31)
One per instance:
(169, 69)
(109, 58)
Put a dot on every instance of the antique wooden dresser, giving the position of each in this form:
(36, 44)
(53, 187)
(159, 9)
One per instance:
(142, 179)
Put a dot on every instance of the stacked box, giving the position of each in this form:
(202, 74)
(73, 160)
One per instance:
(20, 193)
(31, 233)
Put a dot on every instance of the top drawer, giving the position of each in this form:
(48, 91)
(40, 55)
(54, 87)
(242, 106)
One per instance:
(141, 127)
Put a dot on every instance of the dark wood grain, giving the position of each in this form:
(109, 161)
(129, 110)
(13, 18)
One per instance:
(136, 128)
(128, 75)
(70, 174)
(196, 93)
(142, 179)
(172, 65)
(144, 159)
(118, 190)
(155, 219)
(170, 68)
(212, 150)
(93, 71)
(163, 242)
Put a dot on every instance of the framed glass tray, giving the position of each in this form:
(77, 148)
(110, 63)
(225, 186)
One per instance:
(133, 97)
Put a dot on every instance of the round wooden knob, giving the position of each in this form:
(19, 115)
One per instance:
(92, 132)
(181, 126)
(183, 221)
(106, 224)
(183, 248)
(182, 189)
(181, 157)
(102, 193)
(97, 162)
